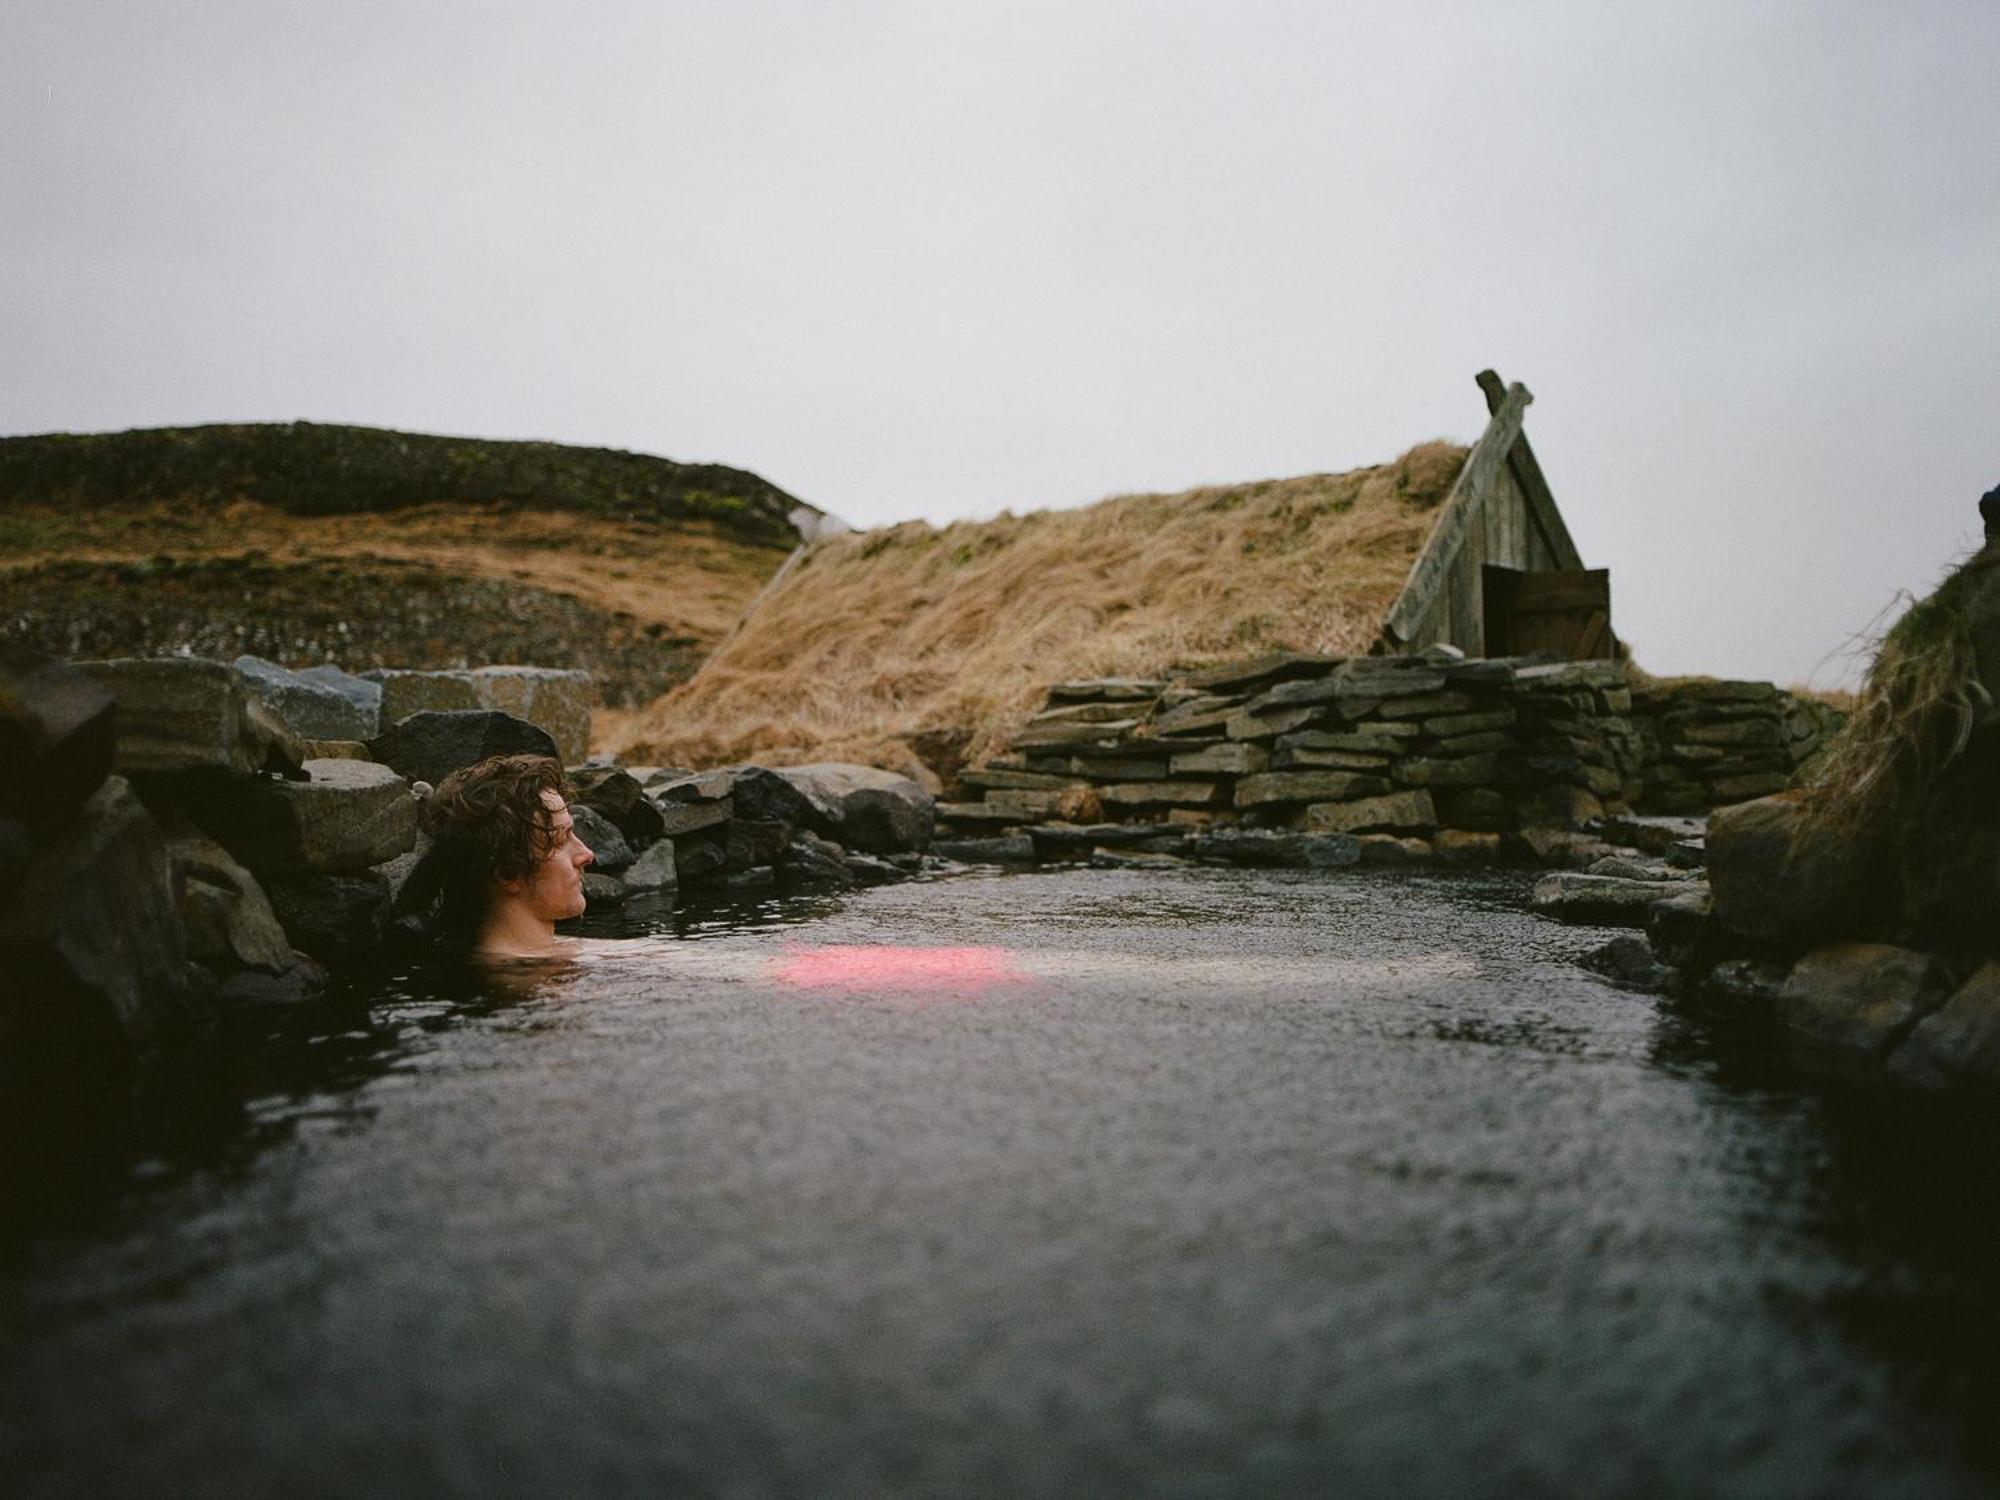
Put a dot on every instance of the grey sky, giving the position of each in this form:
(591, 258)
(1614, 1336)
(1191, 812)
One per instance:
(936, 259)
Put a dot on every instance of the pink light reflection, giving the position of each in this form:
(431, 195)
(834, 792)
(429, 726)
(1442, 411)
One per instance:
(880, 967)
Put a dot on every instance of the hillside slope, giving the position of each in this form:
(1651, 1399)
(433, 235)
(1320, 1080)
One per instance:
(918, 644)
(306, 543)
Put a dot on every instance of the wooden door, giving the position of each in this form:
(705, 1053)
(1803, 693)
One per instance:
(1568, 613)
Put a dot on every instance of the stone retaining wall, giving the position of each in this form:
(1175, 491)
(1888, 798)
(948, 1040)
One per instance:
(1387, 745)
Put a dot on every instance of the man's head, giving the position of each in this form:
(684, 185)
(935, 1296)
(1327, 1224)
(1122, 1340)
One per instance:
(506, 844)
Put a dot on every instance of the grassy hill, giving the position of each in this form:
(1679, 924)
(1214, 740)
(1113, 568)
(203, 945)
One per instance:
(308, 543)
(919, 644)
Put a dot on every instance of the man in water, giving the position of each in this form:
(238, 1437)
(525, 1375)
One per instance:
(507, 856)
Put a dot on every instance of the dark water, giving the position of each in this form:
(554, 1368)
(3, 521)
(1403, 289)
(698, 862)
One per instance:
(1092, 1183)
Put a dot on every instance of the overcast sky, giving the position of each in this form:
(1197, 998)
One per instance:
(936, 259)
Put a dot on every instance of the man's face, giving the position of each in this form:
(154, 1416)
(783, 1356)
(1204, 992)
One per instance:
(554, 890)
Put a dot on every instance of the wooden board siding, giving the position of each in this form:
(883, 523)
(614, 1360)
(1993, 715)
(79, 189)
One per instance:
(1500, 513)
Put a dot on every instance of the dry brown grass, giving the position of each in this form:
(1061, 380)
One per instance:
(880, 637)
(688, 577)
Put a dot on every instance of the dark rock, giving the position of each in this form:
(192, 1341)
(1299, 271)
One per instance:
(865, 809)
(604, 786)
(1008, 849)
(1270, 848)
(1859, 997)
(1477, 807)
(430, 745)
(1307, 786)
(764, 796)
(301, 981)
(1467, 846)
(1602, 900)
(699, 855)
(1751, 983)
(604, 841)
(91, 938)
(334, 917)
(1134, 859)
(756, 878)
(314, 709)
(1959, 1042)
(677, 818)
(691, 786)
(810, 860)
(1680, 929)
(58, 735)
(1627, 960)
(654, 870)
(345, 816)
(227, 918)
(554, 699)
(756, 841)
(1781, 878)
(872, 869)
(601, 890)
(183, 713)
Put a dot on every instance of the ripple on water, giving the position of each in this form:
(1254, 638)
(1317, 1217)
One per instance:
(1100, 1180)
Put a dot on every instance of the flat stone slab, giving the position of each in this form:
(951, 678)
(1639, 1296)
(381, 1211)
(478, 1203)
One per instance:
(346, 816)
(555, 699)
(1603, 900)
(1397, 811)
(1270, 849)
(184, 714)
(316, 707)
(1307, 786)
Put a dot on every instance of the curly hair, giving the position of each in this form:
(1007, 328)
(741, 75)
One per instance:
(488, 822)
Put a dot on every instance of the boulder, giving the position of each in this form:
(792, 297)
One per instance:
(429, 746)
(227, 918)
(1603, 900)
(1859, 997)
(1627, 960)
(335, 917)
(345, 816)
(655, 869)
(554, 699)
(363, 695)
(1959, 1042)
(58, 736)
(699, 855)
(315, 709)
(810, 860)
(1466, 846)
(763, 795)
(1782, 878)
(677, 818)
(753, 842)
(601, 890)
(607, 845)
(692, 786)
(1752, 983)
(1681, 928)
(184, 713)
(91, 939)
(606, 787)
(865, 809)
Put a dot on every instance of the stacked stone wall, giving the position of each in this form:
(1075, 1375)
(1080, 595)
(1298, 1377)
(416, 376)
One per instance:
(1402, 746)
(1707, 744)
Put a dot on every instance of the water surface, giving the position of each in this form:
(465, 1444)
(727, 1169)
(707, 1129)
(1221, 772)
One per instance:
(1166, 1182)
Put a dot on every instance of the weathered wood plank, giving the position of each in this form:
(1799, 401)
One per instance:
(1432, 569)
(1534, 487)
